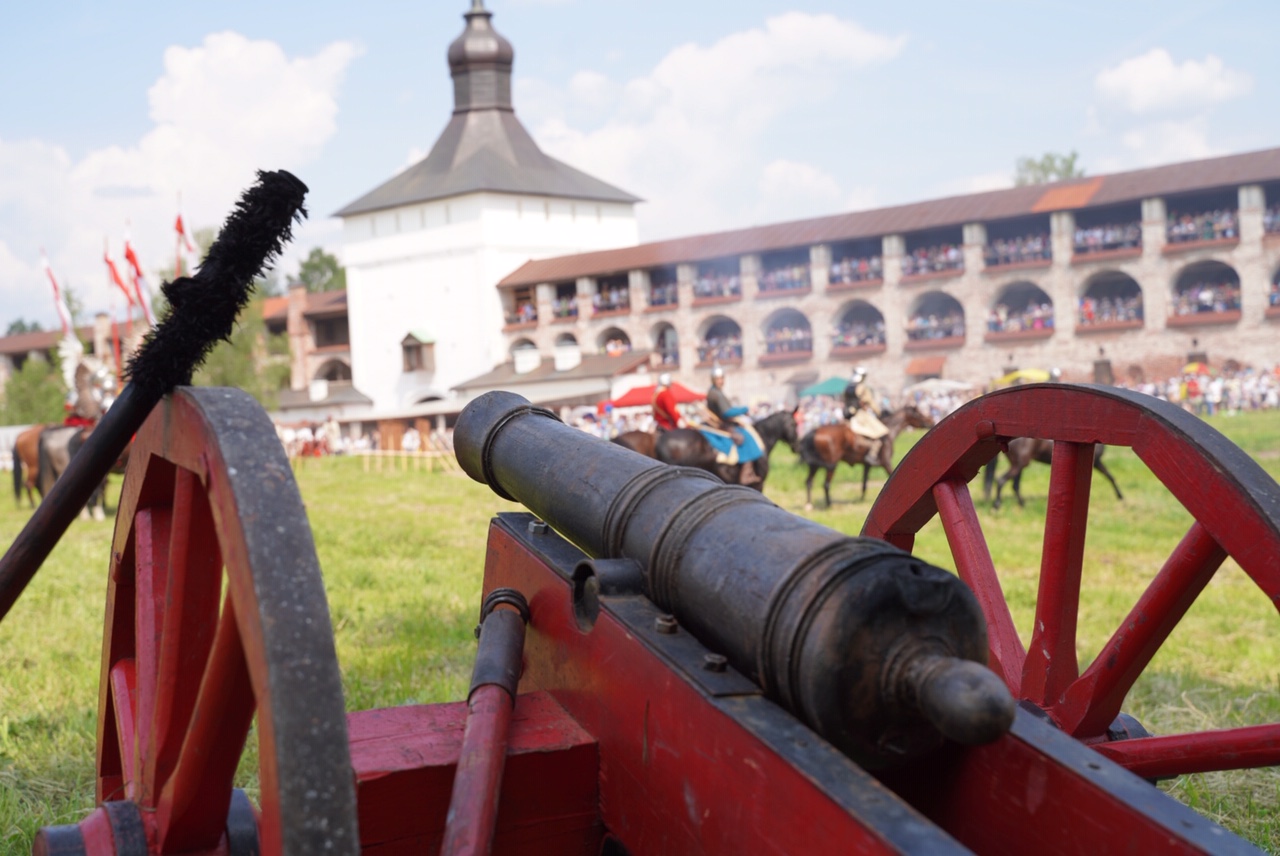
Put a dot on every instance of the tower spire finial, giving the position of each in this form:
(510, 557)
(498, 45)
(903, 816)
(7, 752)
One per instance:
(477, 5)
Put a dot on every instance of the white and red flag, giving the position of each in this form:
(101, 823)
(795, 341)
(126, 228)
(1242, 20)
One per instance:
(186, 248)
(114, 273)
(64, 314)
(141, 290)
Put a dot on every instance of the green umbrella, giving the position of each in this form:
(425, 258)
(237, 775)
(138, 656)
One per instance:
(830, 386)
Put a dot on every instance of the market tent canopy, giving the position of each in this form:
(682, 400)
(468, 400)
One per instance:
(830, 386)
(642, 396)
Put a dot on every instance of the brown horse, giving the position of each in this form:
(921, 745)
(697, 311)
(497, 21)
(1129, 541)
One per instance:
(641, 442)
(687, 447)
(41, 454)
(26, 457)
(823, 448)
(1021, 451)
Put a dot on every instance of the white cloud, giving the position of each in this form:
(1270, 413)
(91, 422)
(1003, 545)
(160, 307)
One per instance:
(980, 183)
(1153, 82)
(692, 136)
(221, 110)
(1169, 142)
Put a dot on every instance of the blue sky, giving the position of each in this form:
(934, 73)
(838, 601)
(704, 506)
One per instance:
(720, 113)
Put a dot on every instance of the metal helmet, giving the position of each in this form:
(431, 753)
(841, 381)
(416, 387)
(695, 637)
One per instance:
(716, 372)
(859, 373)
(664, 379)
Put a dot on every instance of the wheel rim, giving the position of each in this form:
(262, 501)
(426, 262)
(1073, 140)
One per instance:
(216, 618)
(1235, 506)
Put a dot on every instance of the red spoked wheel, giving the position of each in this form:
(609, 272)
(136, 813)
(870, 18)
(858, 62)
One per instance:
(1235, 506)
(216, 617)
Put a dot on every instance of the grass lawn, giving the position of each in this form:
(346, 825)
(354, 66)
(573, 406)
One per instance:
(403, 552)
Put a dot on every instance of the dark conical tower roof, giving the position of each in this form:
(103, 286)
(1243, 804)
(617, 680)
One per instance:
(484, 146)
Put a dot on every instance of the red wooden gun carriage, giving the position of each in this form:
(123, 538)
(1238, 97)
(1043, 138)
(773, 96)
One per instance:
(666, 665)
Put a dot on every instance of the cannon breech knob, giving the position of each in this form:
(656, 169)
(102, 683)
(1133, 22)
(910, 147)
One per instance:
(964, 700)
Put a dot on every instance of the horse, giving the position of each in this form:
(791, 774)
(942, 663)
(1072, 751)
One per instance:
(41, 454)
(1021, 451)
(824, 447)
(640, 442)
(687, 447)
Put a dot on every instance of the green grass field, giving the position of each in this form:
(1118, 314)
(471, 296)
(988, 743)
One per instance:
(403, 552)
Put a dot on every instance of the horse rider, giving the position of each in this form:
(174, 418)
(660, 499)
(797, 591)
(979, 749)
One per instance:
(665, 413)
(734, 420)
(860, 407)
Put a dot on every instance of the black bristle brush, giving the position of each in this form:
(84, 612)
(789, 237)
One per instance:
(203, 310)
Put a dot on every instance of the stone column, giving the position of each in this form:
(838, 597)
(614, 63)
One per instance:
(1155, 227)
(1062, 237)
(975, 246)
(586, 287)
(894, 303)
(299, 339)
(819, 271)
(1255, 278)
(638, 289)
(749, 272)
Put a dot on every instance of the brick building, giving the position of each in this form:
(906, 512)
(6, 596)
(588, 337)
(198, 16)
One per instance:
(1111, 277)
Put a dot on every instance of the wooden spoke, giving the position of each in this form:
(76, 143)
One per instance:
(973, 563)
(1232, 500)
(1051, 657)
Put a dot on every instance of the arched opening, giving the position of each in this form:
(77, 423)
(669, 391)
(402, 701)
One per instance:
(1023, 308)
(613, 342)
(524, 356)
(666, 345)
(936, 319)
(859, 328)
(523, 345)
(334, 371)
(1111, 299)
(721, 341)
(787, 337)
(566, 340)
(1206, 291)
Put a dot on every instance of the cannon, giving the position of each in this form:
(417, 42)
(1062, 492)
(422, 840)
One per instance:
(666, 665)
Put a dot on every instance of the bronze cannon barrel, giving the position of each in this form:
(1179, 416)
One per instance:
(879, 652)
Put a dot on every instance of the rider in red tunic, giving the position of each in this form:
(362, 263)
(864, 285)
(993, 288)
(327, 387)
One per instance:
(665, 413)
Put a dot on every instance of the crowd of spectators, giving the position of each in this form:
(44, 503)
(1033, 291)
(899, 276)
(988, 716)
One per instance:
(1205, 226)
(922, 327)
(616, 298)
(1035, 316)
(933, 260)
(1110, 309)
(785, 278)
(1273, 299)
(663, 294)
(565, 307)
(1207, 297)
(1227, 393)
(525, 313)
(721, 349)
(785, 339)
(614, 347)
(1028, 248)
(1271, 219)
(851, 334)
(1111, 236)
(668, 355)
(864, 269)
(717, 285)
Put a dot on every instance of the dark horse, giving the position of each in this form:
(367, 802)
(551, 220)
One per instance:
(687, 447)
(41, 454)
(823, 448)
(1021, 451)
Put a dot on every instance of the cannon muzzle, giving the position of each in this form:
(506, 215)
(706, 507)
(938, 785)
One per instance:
(879, 652)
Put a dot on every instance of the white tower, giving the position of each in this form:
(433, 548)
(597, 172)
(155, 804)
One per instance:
(424, 251)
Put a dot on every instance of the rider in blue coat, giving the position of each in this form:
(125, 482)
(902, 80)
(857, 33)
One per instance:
(734, 419)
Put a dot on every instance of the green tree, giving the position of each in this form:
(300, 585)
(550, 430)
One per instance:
(253, 360)
(1051, 167)
(23, 326)
(34, 393)
(320, 271)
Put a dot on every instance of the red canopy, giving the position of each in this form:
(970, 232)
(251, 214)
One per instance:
(642, 396)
